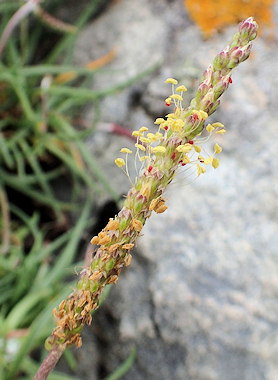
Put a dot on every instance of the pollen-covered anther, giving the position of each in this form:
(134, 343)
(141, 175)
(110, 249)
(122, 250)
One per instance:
(152, 137)
(176, 97)
(112, 225)
(217, 148)
(197, 148)
(181, 88)
(128, 246)
(203, 114)
(168, 101)
(200, 169)
(217, 125)
(221, 131)
(113, 247)
(158, 205)
(185, 159)
(126, 150)
(127, 260)
(95, 240)
(159, 121)
(119, 162)
(136, 133)
(146, 190)
(96, 275)
(185, 148)
(210, 128)
(143, 158)
(104, 240)
(177, 125)
(143, 129)
(171, 80)
(145, 140)
(140, 146)
(154, 203)
(160, 209)
(215, 163)
(112, 279)
(159, 149)
(137, 225)
(208, 160)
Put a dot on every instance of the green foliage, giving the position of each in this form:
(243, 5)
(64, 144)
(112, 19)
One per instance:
(41, 144)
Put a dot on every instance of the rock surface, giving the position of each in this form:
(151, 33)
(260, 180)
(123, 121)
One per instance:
(200, 298)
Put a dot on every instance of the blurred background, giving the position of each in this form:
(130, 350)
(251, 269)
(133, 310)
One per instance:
(199, 301)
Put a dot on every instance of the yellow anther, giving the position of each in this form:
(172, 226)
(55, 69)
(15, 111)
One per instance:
(120, 162)
(136, 133)
(159, 121)
(143, 158)
(197, 148)
(137, 225)
(145, 140)
(176, 97)
(217, 148)
(159, 149)
(112, 225)
(177, 112)
(208, 161)
(218, 125)
(94, 240)
(170, 115)
(181, 88)
(221, 131)
(215, 163)
(185, 159)
(184, 148)
(210, 128)
(158, 135)
(140, 146)
(126, 150)
(151, 136)
(171, 80)
(168, 101)
(203, 114)
(177, 125)
(128, 246)
(143, 129)
(200, 169)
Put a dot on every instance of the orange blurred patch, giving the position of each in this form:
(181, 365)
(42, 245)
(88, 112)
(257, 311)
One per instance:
(212, 15)
(92, 65)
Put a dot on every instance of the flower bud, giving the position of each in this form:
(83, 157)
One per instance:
(248, 29)
(221, 60)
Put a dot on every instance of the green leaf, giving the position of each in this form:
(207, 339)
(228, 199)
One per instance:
(124, 367)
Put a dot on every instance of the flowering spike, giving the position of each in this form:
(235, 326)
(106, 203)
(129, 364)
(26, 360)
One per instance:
(182, 129)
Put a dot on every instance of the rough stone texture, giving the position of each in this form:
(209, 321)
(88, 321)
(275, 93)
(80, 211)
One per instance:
(200, 299)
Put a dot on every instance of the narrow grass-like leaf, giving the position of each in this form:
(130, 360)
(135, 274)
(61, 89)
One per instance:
(18, 313)
(38, 330)
(66, 257)
(67, 42)
(124, 367)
